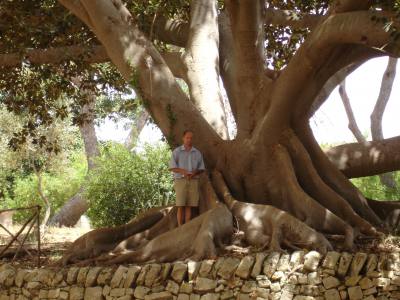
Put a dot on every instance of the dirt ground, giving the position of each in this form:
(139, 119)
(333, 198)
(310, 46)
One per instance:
(54, 242)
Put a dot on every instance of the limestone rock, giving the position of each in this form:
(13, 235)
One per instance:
(204, 285)
(206, 267)
(314, 278)
(141, 291)
(258, 265)
(159, 296)
(331, 259)
(105, 276)
(332, 294)
(296, 259)
(91, 276)
(152, 275)
(117, 292)
(372, 263)
(344, 264)
(355, 293)
(244, 268)
(249, 286)
(330, 282)
(283, 263)
(210, 296)
(93, 293)
(119, 275)
(186, 288)
(366, 283)
(228, 267)
(172, 287)
(357, 263)
(179, 271)
(76, 293)
(311, 260)
(193, 269)
(352, 281)
(271, 263)
(131, 276)
(183, 297)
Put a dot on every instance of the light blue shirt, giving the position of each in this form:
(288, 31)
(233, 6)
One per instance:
(189, 160)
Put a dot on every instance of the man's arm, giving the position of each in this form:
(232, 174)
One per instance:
(173, 165)
(179, 170)
(200, 167)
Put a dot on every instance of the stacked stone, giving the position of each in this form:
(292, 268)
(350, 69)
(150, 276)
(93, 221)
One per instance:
(274, 276)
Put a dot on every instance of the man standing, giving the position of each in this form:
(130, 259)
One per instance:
(186, 163)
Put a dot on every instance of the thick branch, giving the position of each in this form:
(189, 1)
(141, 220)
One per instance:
(202, 61)
(340, 6)
(174, 60)
(290, 19)
(247, 23)
(373, 158)
(350, 115)
(142, 66)
(96, 54)
(330, 85)
(325, 45)
(383, 98)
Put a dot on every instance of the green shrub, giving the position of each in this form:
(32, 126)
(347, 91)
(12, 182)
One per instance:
(124, 183)
(57, 186)
(371, 187)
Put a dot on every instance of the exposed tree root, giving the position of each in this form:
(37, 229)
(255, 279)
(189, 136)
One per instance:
(266, 226)
(334, 178)
(196, 239)
(101, 240)
(288, 195)
(388, 211)
(319, 190)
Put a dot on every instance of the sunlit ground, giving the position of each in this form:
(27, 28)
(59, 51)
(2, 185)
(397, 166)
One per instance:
(55, 241)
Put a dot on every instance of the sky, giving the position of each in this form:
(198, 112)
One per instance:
(329, 123)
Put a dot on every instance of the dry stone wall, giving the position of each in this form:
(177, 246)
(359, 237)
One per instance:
(274, 276)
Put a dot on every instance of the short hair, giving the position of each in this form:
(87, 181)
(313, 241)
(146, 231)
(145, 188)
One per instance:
(186, 131)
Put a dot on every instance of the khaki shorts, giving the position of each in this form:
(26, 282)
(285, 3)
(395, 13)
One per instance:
(187, 192)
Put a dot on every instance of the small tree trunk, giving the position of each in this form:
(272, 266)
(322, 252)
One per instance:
(349, 112)
(136, 129)
(377, 114)
(43, 197)
(76, 206)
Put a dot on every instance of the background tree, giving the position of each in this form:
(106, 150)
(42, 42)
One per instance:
(377, 114)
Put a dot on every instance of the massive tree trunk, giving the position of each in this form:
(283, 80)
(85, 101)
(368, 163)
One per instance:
(76, 206)
(274, 159)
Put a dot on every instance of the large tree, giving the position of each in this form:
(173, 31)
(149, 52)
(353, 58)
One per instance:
(277, 61)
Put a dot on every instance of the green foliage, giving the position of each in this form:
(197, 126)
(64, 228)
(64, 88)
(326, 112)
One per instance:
(58, 186)
(124, 183)
(371, 187)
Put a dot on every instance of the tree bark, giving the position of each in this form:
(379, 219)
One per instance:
(389, 75)
(202, 62)
(274, 160)
(136, 129)
(76, 206)
(350, 115)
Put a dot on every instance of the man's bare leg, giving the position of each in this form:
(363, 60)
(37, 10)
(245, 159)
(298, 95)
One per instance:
(188, 213)
(180, 215)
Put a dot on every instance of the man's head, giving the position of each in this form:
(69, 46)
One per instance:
(187, 138)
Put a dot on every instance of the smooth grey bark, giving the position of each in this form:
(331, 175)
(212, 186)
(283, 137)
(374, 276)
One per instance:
(353, 126)
(76, 206)
(377, 114)
(136, 129)
(202, 61)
